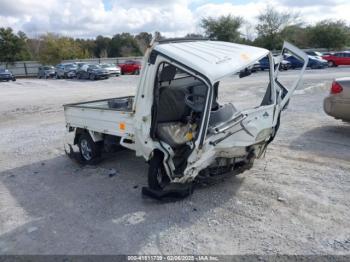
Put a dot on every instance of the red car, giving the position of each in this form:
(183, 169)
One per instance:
(130, 67)
(339, 58)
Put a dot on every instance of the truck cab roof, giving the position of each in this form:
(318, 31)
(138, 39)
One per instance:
(213, 59)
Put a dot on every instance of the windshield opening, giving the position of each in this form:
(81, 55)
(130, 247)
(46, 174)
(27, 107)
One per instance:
(94, 67)
(247, 88)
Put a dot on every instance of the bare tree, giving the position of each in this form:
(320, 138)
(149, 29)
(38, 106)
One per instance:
(270, 25)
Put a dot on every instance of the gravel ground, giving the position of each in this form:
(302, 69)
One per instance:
(293, 201)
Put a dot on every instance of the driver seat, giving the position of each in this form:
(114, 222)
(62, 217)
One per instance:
(172, 110)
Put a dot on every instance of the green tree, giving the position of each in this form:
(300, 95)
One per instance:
(102, 45)
(88, 45)
(330, 34)
(124, 45)
(143, 40)
(12, 47)
(270, 25)
(297, 35)
(224, 28)
(54, 48)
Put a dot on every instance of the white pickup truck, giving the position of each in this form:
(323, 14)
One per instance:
(175, 120)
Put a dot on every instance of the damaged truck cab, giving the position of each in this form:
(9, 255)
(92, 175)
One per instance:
(176, 122)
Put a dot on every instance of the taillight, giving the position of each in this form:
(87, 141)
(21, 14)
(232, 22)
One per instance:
(336, 88)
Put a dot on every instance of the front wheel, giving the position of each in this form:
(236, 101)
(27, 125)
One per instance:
(331, 64)
(92, 77)
(89, 150)
(157, 177)
(137, 72)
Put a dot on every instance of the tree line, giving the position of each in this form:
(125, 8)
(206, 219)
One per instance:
(272, 28)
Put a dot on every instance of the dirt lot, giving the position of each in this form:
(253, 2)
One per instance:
(293, 201)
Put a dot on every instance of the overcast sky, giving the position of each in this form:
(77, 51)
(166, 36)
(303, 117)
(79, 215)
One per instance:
(89, 18)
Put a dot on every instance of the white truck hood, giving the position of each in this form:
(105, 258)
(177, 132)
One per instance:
(214, 59)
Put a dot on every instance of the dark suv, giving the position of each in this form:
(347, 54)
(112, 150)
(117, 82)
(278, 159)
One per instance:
(6, 75)
(46, 72)
(92, 72)
(66, 70)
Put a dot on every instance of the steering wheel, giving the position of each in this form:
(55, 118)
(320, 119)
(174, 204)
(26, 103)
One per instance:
(195, 101)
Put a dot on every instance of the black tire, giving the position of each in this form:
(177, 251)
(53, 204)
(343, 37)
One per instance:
(157, 177)
(92, 77)
(89, 150)
(137, 72)
(78, 76)
(331, 64)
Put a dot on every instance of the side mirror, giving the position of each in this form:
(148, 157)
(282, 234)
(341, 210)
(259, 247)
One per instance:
(244, 73)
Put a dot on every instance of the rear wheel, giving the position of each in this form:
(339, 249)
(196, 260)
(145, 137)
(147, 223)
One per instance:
(331, 64)
(157, 177)
(89, 150)
(92, 77)
(137, 72)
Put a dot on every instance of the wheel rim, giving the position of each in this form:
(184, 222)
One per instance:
(92, 77)
(330, 63)
(86, 150)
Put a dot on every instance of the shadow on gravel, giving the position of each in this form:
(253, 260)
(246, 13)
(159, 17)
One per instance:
(65, 208)
(327, 141)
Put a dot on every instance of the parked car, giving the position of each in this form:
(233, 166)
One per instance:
(112, 69)
(337, 104)
(314, 53)
(80, 64)
(264, 64)
(285, 65)
(130, 67)
(6, 75)
(338, 58)
(313, 63)
(67, 70)
(92, 72)
(46, 71)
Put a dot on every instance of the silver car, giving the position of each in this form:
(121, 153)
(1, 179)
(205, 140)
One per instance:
(67, 70)
(113, 70)
(337, 103)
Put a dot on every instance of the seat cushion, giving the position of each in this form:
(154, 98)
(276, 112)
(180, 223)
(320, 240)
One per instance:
(174, 134)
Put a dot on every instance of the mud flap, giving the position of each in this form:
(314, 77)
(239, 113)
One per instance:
(173, 191)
